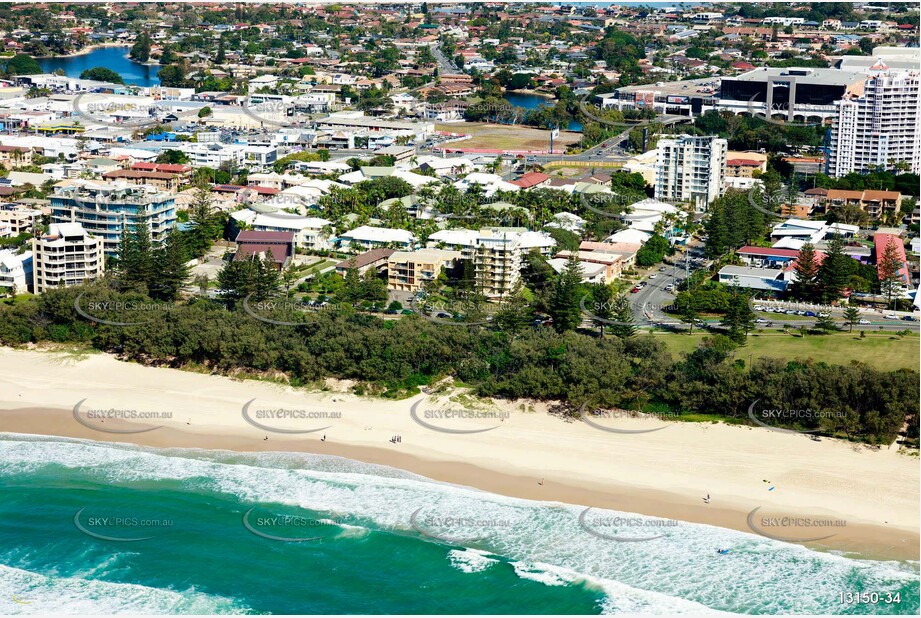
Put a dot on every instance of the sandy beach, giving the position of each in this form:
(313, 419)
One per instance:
(526, 453)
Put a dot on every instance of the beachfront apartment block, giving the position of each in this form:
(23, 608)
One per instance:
(407, 271)
(15, 272)
(880, 127)
(108, 210)
(497, 254)
(690, 168)
(67, 255)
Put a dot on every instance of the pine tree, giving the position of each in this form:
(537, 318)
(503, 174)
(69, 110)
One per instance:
(851, 317)
(623, 314)
(806, 269)
(739, 318)
(686, 311)
(835, 270)
(825, 323)
(602, 307)
(266, 278)
(136, 268)
(564, 300)
(888, 265)
(171, 266)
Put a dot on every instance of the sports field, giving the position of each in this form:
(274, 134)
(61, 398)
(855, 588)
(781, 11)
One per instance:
(505, 137)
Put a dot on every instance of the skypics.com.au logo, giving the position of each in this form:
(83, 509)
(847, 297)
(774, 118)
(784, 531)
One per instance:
(286, 420)
(121, 312)
(786, 419)
(593, 418)
(116, 110)
(455, 420)
(625, 528)
(120, 420)
(456, 528)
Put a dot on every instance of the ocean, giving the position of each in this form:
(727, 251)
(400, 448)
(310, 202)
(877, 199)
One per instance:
(93, 527)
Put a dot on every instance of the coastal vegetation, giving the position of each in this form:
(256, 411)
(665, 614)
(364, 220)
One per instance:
(394, 357)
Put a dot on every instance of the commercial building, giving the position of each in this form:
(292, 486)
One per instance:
(108, 210)
(67, 255)
(879, 128)
(690, 168)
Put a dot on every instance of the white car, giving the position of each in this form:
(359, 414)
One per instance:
(653, 276)
(862, 321)
(761, 321)
(891, 316)
(759, 308)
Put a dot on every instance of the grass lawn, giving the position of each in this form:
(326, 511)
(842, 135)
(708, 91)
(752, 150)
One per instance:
(506, 137)
(884, 351)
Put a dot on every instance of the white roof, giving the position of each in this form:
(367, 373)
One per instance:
(414, 180)
(455, 237)
(536, 240)
(378, 234)
(653, 205)
(288, 221)
(629, 235)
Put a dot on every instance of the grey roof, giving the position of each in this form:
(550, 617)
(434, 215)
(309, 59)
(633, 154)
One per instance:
(826, 77)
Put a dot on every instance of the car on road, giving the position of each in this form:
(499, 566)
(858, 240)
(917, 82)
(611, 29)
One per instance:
(891, 316)
(635, 289)
(663, 269)
(759, 308)
(863, 321)
(909, 318)
(669, 287)
(653, 276)
(761, 321)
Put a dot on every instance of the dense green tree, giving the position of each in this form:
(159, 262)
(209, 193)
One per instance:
(102, 74)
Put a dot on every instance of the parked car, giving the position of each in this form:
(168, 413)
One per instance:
(810, 314)
(635, 289)
(761, 321)
(909, 318)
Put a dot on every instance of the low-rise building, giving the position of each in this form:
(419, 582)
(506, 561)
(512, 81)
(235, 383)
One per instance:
(407, 271)
(252, 244)
(367, 237)
(375, 259)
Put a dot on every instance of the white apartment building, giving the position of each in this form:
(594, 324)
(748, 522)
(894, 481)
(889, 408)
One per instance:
(15, 271)
(690, 168)
(66, 256)
(497, 254)
(879, 128)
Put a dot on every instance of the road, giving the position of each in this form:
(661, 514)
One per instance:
(445, 65)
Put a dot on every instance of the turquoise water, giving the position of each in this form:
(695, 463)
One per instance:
(368, 551)
(115, 58)
(533, 101)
